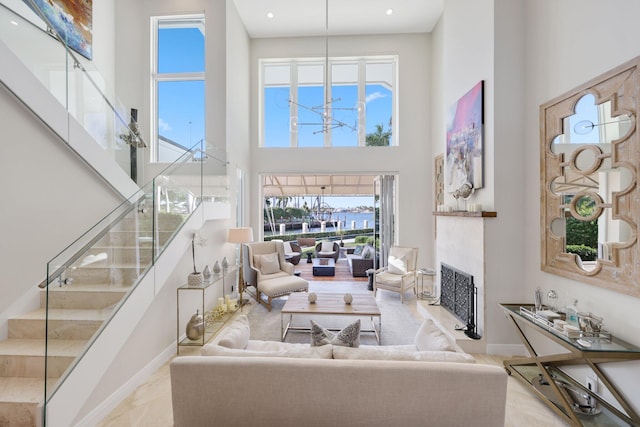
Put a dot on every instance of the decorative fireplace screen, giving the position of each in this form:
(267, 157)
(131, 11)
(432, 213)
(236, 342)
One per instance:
(458, 295)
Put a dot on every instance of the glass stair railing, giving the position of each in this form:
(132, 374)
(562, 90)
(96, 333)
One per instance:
(91, 279)
(73, 80)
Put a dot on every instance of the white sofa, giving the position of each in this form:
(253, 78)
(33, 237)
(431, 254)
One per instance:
(243, 382)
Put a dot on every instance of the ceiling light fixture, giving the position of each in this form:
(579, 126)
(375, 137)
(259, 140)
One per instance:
(270, 15)
(325, 111)
(389, 11)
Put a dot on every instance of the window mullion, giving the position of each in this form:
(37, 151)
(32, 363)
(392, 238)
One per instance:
(293, 106)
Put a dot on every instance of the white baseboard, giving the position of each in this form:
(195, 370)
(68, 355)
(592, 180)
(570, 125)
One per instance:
(507, 349)
(110, 403)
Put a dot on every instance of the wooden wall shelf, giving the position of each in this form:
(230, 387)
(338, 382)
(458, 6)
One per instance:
(483, 214)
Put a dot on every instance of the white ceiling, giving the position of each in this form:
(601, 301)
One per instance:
(295, 18)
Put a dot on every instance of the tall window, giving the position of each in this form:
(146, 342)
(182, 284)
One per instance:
(354, 107)
(178, 85)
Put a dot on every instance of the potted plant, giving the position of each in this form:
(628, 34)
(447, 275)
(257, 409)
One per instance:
(195, 277)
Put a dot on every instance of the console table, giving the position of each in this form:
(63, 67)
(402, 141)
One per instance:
(542, 373)
(210, 328)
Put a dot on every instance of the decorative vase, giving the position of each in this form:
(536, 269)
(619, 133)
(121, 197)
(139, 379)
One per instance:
(206, 274)
(348, 298)
(312, 298)
(225, 263)
(216, 267)
(195, 279)
(195, 327)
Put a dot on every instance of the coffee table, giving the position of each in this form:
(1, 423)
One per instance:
(324, 267)
(363, 305)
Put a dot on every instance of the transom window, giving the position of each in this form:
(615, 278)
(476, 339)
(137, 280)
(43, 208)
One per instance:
(178, 80)
(355, 108)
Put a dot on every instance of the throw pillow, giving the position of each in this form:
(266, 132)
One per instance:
(326, 247)
(397, 265)
(287, 248)
(430, 338)
(269, 263)
(236, 334)
(347, 337)
(367, 252)
(358, 250)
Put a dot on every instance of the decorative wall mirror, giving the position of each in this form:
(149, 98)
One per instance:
(590, 152)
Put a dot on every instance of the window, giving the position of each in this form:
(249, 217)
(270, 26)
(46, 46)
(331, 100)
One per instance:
(178, 85)
(355, 108)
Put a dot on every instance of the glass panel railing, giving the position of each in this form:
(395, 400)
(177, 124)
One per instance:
(74, 80)
(89, 280)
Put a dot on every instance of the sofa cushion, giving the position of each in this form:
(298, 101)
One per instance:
(287, 247)
(358, 250)
(302, 352)
(268, 263)
(235, 334)
(368, 252)
(430, 338)
(348, 337)
(327, 247)
(366, 352)
(397, 265)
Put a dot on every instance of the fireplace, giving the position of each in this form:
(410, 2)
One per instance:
(459, 296)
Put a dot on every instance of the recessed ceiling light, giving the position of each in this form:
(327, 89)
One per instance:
(14, 22)
(269, 15)
(389, 11)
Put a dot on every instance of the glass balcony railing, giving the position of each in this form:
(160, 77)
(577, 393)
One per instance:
(72, 79)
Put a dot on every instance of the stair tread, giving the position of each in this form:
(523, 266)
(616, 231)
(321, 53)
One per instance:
(21, 390)
(36, 347)
(66, 314)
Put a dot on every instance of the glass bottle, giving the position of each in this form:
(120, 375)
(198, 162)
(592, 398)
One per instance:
(572, 312)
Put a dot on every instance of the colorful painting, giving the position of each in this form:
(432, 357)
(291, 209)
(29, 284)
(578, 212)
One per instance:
(71, 20)
(464, 168)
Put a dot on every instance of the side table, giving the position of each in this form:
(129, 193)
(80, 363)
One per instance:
(212, 327)
(558, 390)
(428, 292)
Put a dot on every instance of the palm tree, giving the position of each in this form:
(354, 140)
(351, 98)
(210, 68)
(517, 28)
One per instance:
(379, 138)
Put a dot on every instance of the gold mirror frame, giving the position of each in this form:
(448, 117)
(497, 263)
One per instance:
(620, 273)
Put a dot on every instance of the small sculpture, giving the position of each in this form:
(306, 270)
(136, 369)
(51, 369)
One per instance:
(206, 274)
(195, 327)
(348, 298)
(225, 263)
(216, 267)
(312, 298)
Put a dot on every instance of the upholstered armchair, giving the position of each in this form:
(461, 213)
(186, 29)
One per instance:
(267, 270)
(328, 250)
(400, 273)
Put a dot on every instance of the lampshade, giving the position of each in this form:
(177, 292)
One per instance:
(240, 235)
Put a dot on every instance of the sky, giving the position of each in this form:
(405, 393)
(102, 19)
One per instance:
(182, 50)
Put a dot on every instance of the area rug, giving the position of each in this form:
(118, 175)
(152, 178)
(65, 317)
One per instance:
(399, 321)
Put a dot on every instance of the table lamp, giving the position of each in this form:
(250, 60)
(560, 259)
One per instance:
(240, 235)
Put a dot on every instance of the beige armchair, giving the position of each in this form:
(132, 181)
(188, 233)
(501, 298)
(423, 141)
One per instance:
(267, 270)
(400, 273)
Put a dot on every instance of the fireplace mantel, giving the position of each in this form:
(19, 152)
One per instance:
(466, 214)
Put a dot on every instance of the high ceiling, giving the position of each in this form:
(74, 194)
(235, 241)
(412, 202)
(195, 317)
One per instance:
(312, 185)
(296, 18)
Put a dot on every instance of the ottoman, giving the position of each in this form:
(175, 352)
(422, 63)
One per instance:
(279, 286)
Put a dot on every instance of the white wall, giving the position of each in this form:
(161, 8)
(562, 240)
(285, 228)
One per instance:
(411, 160)
(560, 54)
(45, 192)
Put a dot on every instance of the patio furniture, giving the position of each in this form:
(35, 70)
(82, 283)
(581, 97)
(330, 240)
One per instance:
(328, 250)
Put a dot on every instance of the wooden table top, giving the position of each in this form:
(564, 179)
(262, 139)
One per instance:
(362, 304)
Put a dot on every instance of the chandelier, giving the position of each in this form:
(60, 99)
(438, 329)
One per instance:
(325, 112)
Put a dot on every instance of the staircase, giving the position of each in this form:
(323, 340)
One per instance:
(97, 281)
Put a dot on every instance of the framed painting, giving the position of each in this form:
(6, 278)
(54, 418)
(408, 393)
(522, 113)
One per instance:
(72, 20)
(464, 155)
